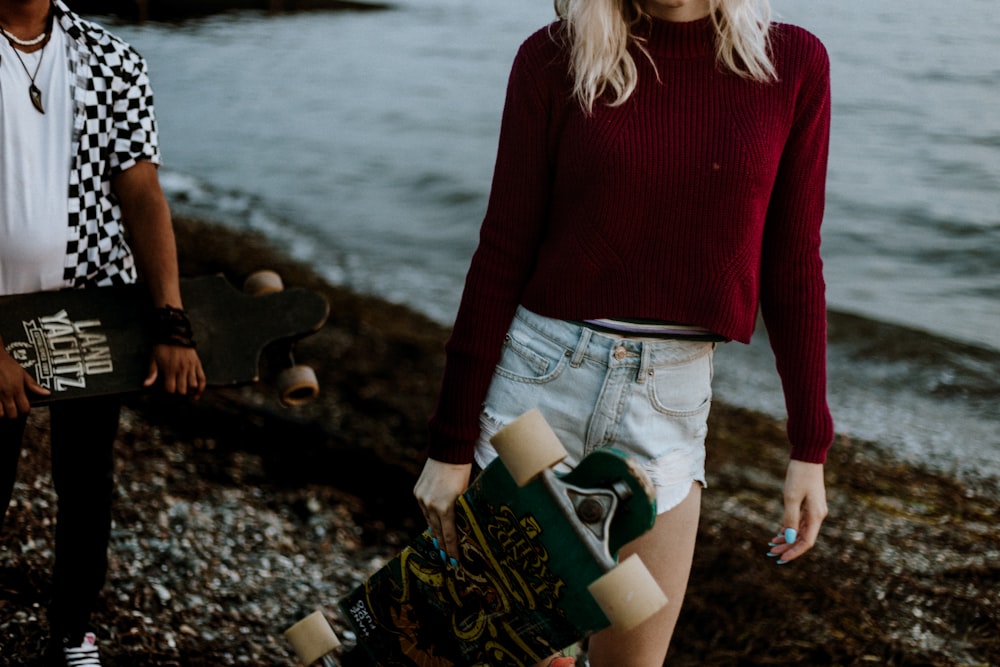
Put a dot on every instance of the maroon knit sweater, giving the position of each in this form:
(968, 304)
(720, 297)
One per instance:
(698, 200)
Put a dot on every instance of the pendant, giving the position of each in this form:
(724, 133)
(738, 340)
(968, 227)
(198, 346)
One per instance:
(36, 97)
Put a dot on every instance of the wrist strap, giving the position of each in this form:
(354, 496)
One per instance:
(171, 326)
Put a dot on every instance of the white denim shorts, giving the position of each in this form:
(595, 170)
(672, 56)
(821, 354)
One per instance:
(647, 397)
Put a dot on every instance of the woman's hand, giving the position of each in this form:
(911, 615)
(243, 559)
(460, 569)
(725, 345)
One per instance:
(805, 509)
(439, 485)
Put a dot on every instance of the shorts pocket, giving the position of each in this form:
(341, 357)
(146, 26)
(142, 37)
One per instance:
(684, 388)
(530, 357)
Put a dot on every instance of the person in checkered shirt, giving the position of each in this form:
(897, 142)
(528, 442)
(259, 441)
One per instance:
(73, 94)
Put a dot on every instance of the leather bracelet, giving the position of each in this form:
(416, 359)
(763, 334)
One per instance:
(171, 326)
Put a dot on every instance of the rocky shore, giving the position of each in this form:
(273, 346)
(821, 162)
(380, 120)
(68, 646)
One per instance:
(236, 516)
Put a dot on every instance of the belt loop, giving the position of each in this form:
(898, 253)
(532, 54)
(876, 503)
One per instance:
(581, 347)
(643, 363)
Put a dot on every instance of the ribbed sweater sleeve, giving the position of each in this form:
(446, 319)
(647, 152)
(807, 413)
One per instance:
(503, 262)
(793, 302)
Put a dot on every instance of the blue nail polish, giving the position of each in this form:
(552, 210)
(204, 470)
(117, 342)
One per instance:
(772, 544)
(444, 556)
(790, 535)
(454, 563)
(782, 562)
(771, 555)
(434, 541)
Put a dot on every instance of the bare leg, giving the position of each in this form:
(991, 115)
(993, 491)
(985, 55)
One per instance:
(668, 551)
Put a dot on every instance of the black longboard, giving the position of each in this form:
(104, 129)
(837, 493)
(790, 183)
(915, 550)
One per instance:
(92, 342)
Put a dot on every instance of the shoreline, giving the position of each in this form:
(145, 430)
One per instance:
(236, 516)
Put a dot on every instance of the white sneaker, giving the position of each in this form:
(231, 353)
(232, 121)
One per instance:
(84, 655)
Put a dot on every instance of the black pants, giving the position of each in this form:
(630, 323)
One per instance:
(83, 436)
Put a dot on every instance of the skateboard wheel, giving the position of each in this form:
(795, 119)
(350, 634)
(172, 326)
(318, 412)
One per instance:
(312, 638)
(259, 283)
(527, 446)
(628, 594)
(297, 385)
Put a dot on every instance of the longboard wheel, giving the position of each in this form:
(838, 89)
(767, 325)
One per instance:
(628, 594)
(312, 638)
(263, 282)
(527, 446)
(297, 385)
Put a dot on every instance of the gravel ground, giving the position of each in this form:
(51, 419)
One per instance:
(235, 517)
(202, 572)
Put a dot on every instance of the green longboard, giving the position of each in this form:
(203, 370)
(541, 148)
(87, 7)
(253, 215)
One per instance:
(520, 592)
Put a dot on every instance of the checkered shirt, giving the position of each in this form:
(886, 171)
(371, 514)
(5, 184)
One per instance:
(114, 127)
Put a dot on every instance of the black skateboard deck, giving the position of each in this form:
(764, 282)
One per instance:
(92, 342)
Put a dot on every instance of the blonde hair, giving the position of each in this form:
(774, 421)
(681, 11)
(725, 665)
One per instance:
(599, 33)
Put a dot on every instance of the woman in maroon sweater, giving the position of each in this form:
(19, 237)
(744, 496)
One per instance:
(660, 177)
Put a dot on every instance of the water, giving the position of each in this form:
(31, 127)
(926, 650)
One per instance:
(364, 143)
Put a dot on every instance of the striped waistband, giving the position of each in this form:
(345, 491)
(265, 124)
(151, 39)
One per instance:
(652, 329)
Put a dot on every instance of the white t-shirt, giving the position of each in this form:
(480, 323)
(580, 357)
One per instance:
(35, 152)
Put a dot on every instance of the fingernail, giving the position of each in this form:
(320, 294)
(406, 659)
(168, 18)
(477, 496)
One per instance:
(771, 555)
(444, 556)
(772, 544)
(782, 562)
(454, 563)
(790, 535)
(434, 541)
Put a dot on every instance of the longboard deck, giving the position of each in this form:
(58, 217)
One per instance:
(520, 593)
(97, 341)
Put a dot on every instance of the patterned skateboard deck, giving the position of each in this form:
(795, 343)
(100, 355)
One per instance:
(520, 592)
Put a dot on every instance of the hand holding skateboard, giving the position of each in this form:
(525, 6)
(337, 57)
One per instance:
(536, 572)
(92, 342)
(16, 385)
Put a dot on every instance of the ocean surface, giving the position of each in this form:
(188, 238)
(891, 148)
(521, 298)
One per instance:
(363, 143)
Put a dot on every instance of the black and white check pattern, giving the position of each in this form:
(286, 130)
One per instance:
(114, 127)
